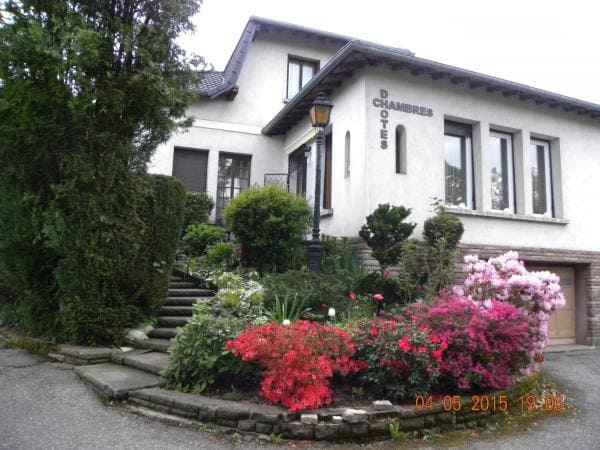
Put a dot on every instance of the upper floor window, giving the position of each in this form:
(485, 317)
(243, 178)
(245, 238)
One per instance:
(502, 172)
(459, 164)
(541, 178)
(300, 71)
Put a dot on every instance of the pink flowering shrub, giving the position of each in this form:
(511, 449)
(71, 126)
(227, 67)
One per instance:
(505, 279)
(401, 360)
(486, 344)
(299, 359)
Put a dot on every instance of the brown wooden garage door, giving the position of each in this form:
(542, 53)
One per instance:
(562, 321)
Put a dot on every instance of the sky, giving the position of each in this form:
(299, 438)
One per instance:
(552, 45)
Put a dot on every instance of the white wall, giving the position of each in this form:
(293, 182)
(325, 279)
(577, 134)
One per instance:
(579, 140)
(235, 126)
(267, 154)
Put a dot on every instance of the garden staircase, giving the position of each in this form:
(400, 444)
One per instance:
(140, 367)
(176, 312)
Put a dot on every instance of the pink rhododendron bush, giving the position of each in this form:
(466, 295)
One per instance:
(495, 324)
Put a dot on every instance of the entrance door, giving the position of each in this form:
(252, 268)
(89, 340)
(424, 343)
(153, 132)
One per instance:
(562, 321)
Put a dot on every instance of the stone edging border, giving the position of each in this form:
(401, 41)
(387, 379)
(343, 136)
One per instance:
(329, 424)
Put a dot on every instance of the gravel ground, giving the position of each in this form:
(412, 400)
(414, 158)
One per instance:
(43, 405)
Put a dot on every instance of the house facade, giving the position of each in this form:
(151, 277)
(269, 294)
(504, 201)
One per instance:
(517, 164)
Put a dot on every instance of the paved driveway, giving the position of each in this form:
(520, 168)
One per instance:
(44, 406)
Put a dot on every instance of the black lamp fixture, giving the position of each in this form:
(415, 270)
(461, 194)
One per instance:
(319, 112)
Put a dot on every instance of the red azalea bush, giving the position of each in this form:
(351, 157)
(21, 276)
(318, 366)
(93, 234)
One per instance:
(401, 359)
(487, 344)
(299, 360)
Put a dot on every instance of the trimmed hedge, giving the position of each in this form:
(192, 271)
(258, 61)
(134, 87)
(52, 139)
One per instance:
(164, 218)
(96, 258)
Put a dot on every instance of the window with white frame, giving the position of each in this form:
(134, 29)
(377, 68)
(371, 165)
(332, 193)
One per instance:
(300, 71)
(502, 172)
(541, 178)
(458, 152)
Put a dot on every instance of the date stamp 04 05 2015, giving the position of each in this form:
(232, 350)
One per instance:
(494, 403)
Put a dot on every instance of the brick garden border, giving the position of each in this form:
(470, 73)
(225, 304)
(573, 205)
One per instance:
(329, 424)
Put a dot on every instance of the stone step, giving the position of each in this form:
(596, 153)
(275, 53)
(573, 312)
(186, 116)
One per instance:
(157, 345)
(185, 301)
(178, 310)
(176, 278)
(190, 293)
(116, 381)
(163, 333)
(173, 321)
(151, 362)
(181, 285)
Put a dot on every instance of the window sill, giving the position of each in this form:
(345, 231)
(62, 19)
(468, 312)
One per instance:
(326, 212)
(506, 216)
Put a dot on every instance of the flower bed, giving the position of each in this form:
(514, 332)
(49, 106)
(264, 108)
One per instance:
(482, 336)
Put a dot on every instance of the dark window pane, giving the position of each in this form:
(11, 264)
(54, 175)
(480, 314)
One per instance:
(541, 178)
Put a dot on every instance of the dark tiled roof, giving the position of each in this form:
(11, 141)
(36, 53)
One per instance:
(210, 80)
(357, 54)
(214, 87)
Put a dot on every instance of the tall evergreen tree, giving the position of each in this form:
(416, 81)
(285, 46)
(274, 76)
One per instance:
(88, 89)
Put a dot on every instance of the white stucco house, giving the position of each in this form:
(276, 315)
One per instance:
(519, 164)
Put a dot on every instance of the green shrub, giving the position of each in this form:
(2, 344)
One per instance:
(385, 231)
(199, 358)
(269, 223)
(442, 233)
(339, 257)
(221, 256)
(163, 216)
(198, 206)
(199, 237)
(375, 283)
(316, 290)
(444, 226)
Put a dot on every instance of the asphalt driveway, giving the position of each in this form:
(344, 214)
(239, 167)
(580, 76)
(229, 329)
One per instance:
(44, 405)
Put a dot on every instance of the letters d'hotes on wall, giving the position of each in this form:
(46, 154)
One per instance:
(387, 104)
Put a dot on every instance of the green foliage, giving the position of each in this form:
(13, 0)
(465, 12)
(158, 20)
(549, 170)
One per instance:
(221, 256)
(385, 231)
(375, 283)
(87, 92)
(317, 290)
(289, 308)
(269, 222)
(395, 430)
(339, 257)
(414, 271)
(199, 237)
(163, 214)
(199, 358)
(198, 206)
(443, 226)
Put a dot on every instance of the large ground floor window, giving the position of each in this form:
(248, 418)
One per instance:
(234, 177)
(459, 165)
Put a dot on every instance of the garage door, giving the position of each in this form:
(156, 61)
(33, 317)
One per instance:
(562, 321)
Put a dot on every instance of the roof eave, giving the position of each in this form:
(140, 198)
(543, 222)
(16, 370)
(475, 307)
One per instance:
(437, 71)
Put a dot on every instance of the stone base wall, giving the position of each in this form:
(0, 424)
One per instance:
(587, 266)
(332, 424)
